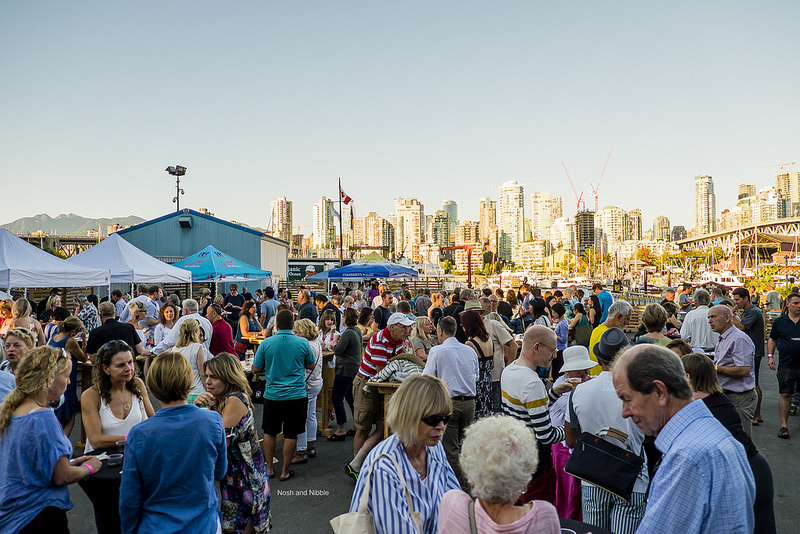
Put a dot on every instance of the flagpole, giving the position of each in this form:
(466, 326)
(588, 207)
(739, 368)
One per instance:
(341, 232)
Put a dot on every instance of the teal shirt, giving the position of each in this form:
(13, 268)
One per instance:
(283, 357)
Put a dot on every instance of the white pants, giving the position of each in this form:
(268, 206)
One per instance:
(311, 420)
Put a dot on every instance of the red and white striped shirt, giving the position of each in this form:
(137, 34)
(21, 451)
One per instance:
(379, 351)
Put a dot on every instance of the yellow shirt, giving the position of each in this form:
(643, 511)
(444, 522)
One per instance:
(596, 334)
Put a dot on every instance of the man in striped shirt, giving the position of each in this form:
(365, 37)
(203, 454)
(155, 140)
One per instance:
(368, 405)
(525, 397)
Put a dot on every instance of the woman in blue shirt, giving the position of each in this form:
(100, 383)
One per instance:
(173, 459)
(36, 468)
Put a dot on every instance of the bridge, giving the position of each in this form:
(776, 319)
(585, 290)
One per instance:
(764, 237)
(68, 245)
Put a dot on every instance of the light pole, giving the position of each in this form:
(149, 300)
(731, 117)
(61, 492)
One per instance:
(177, 171)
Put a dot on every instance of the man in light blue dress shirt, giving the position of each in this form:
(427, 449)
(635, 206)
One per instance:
(704, 483)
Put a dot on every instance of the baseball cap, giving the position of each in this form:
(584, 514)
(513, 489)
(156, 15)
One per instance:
(399, 318)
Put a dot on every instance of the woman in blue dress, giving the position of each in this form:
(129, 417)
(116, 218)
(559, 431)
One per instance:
(65, 339)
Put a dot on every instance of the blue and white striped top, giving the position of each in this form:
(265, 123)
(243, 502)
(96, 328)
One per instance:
(388, 504)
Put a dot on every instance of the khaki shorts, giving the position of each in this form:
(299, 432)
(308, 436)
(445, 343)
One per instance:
(368, 407)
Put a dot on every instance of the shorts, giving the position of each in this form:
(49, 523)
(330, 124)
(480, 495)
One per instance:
(788, 380)
(288, 416)
(368, 406)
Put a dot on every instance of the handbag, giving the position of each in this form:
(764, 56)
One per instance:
(361, 522)
(583, 332)
(602, 463)
(240, 347)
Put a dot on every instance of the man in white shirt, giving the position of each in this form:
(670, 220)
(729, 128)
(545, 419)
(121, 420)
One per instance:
(457, 365)
(189, 311)
(695, 330)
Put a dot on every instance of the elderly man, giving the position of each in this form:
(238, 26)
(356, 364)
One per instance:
(733, 358)
(526, 398)
(457, 365)
(619, 315)
(189, 311)
(669, 295)
(695, 330)
(284, 357)
(704, 483)
(751, 322)
(221, 335)
(382, 346)
(112, 330)
(785, 336)
(598, 408)
(306, 308)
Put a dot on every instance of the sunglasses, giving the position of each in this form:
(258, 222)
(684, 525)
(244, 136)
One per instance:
(433, 420)
(116, 345)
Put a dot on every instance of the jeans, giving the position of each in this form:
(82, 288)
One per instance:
(311, 419)
(342, 390)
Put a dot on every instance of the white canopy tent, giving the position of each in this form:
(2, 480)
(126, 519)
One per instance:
(129, 264)
(26, 266)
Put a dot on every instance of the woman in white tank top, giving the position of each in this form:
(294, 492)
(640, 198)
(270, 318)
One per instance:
(116, 401)
(188, 344)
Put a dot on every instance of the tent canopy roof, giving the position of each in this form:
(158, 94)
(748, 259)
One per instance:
(211, 264)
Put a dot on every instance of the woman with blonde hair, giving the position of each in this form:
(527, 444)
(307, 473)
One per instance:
(138, 312)
(18, 342)
(418, 413)
(21, 313)
(307, 440)
(498, 455)
(654, 318)
(245, 490)
(36, 466)
(189, 345)
(68, 329)
(421, 338)
(204, 301)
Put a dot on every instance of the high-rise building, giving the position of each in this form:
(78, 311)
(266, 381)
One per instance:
(410, 227)
(788, 185)
(584, 230)
(562, 234)
(467, 233)
(609, 228)
(451, 208)
(633, 225)
(324, 231)
(678, 233)
(745, 190)
(541, 214)
(373, 231)
(511, 216)
(705, 206)
(488, 216)
(661, 228)
(281, 218)
(558, 207)
(440, 228)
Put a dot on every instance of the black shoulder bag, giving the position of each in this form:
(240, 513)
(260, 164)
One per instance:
(602, 463)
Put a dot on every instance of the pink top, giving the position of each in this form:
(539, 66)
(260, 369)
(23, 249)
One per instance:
(454, 517)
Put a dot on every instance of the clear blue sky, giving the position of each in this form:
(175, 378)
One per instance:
(438, 100)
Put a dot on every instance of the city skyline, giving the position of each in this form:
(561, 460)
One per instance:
(439, 101)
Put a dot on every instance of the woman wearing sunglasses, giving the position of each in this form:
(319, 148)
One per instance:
(418, 413)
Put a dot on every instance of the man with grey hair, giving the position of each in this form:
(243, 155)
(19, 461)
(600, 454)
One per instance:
(695, 330)
(669, 295)
(733, 359)
(189, 311)
(619, 315)
(704, 483)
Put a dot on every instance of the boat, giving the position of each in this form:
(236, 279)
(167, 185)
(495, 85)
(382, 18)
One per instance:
(578, 281)
(723, 278)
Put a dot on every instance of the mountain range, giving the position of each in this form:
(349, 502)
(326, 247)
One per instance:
(69, 224)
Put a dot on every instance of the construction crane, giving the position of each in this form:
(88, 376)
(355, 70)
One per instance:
(781, 165)
(596, 188)
(469, 249)
(578, 206)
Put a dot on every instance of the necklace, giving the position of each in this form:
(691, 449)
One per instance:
(39, 403)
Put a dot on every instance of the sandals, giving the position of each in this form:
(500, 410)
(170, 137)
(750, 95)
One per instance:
(287, 477)
(783, 433)
(336, 437)
(311, 453)
(351, 432)
(299, 458)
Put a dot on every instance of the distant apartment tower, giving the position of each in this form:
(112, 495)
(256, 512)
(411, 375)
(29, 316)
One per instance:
(558, 207)
(678, 233)
(451, 208)
(488, 216)
(409, 228)
(281, 218)
(609, 228)
(511, 216)
(541, 214)
(373, 231)
(661, 228)
(324, 231)
(584, 230)
(788, 186)
(467, 233)
(745, 190)
(705, 206)
(440, 228)
(633, 225)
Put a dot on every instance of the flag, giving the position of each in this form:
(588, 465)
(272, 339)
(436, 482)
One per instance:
(335, 213)
(346, 199)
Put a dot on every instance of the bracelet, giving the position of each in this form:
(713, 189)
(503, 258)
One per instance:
(89, 467)
(770, 356)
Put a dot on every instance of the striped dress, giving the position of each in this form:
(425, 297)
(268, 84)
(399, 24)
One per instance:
(388, 504)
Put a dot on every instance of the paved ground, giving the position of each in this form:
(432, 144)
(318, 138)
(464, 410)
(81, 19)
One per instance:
(320, 490)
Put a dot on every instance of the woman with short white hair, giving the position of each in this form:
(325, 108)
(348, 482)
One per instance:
(498, 455)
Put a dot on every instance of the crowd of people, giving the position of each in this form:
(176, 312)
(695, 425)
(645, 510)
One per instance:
(497, 389)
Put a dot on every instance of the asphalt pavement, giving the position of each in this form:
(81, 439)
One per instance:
(320, 490)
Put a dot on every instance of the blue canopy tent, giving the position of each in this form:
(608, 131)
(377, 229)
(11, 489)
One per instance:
(212, 265)
(366, 269)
